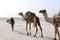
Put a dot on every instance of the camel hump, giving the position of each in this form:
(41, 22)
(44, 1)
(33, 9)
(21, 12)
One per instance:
(57, 17)
(30, 15)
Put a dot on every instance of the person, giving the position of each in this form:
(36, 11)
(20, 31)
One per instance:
(12, 22)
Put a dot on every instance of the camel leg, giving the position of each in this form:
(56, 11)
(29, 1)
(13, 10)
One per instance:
(58, 34)
(36, 30)
(56, 31)
(41, 31)
(27, 27)
(30, 27)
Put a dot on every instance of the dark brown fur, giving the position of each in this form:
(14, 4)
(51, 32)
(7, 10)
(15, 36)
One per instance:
(34, 20)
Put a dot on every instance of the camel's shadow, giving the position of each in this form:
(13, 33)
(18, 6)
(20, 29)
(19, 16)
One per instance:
(20, 32)
(48, 38)
(43, 38)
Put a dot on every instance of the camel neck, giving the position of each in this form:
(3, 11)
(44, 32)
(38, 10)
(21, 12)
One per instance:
(23, 16)
(47, 18)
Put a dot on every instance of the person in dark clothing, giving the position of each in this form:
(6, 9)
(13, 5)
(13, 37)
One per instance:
(12, 23)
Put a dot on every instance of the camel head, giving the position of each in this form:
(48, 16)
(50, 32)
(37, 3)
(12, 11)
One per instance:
(42, 11)
(20, 14)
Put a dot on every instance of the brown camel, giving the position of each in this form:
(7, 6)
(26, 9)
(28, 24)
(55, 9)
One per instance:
(52, 21)
(30, 17)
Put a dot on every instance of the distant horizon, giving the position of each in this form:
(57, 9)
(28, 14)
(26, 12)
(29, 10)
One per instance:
(11, 8)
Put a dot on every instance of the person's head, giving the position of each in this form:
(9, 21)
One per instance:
(12, 18)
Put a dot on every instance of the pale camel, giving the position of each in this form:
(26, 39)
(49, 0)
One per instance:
(31, 19)
(52, 21)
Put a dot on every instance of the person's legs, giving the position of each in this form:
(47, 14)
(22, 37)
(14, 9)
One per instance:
(12, 27)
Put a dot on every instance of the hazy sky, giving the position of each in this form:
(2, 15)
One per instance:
(10, 8)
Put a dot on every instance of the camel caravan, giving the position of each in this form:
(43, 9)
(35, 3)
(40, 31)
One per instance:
(31, 17)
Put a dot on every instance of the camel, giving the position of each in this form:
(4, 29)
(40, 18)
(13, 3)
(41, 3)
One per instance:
(30, 17)
(52, 21)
